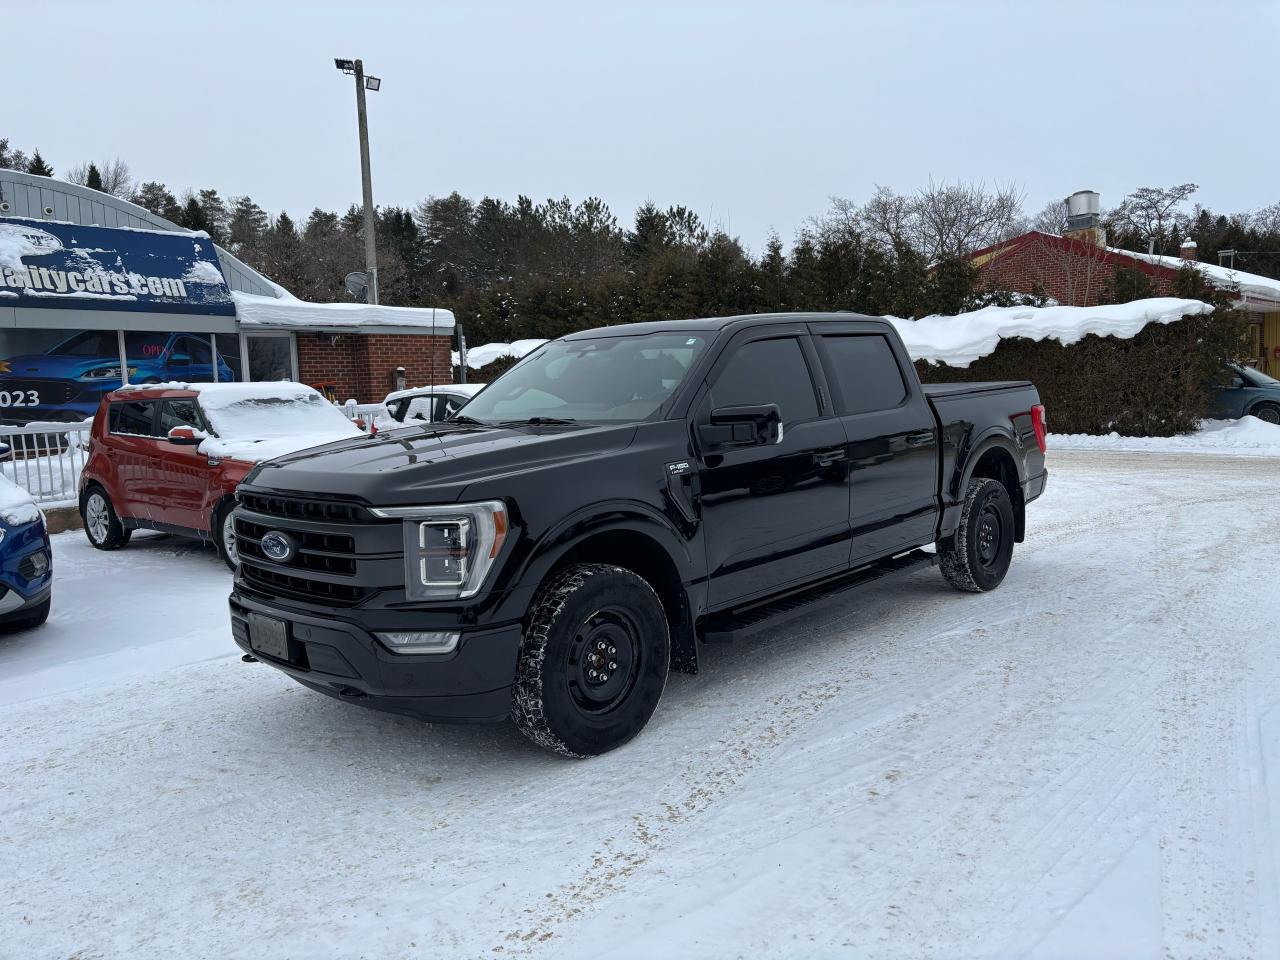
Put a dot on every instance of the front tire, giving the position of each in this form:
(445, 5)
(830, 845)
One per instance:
(101, 524)
(593, 662)
(977, 556)
(1267, 413)
(224, 535)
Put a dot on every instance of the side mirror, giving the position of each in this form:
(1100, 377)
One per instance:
(185, 436)
(756, 425)
(1236, 383)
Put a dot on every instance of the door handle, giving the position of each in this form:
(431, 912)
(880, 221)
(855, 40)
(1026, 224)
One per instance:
(825, 458)
(921, 438)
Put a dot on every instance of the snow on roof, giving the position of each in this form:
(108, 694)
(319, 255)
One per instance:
(462, 389)
(288, 311)
(960, 340)
(1251, 285)
(478, 357)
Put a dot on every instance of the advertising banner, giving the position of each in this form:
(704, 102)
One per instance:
(54, 264)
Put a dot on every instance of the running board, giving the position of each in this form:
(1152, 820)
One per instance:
(726, 627)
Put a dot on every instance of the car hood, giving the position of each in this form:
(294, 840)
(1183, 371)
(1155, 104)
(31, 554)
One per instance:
(435, 463)
(52, 365)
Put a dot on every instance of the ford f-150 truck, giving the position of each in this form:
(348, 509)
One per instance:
(615, 499)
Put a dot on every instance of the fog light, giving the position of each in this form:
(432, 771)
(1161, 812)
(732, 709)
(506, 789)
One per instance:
(437, 641)
(39, 562)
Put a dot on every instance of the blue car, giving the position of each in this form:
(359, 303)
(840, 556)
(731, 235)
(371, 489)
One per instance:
(26, 560)
(68, 381)
(1246, 392)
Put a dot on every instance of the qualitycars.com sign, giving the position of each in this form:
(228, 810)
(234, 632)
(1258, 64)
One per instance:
(45, 264)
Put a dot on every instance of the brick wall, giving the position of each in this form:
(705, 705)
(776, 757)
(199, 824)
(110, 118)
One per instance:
(363, 366)
(1072, 271)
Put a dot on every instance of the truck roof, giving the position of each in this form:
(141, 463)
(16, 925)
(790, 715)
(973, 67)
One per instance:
(716, 324)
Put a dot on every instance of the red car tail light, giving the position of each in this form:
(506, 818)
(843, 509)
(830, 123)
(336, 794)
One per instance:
(1038, 424)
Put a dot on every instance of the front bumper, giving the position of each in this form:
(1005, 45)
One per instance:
(342, 659)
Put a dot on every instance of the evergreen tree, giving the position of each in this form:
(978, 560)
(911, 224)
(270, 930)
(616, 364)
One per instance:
(215, 215)
(37, 166)
(11, 159)
(192, 215)
(93, 179)
(155, 196)
(247, 225)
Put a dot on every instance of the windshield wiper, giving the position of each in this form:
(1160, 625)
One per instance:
(472, 420)
(537, 422)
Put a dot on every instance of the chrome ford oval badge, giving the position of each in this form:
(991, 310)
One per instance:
(277, 546)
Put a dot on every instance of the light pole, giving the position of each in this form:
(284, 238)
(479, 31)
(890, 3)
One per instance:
(356, 67)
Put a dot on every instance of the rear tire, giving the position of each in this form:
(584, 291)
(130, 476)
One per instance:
(593, 662)
(101, 524)
(1267, 412)
(977, 556)
(224, 535)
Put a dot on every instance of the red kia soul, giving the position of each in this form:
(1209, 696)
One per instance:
(169, 457)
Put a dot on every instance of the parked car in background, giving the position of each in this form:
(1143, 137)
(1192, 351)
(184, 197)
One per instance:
(1246, 392)
(69, 380)
(429, 404)
(169, 457)
(26, 560)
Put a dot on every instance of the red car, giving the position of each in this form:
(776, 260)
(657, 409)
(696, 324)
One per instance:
(169, 457)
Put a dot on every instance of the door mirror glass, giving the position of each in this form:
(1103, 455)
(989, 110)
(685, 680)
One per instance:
(753, 425)
(185, 436)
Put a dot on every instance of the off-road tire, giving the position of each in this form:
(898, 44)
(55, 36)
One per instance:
(1267, 412)
(977, 556)
(576, 609)
(220, 518)
(114, 534)
(34, 617)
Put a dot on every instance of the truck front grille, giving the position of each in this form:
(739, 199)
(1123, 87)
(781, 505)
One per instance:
(343, 556)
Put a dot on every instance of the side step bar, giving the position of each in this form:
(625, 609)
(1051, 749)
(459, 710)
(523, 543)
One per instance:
(726, 627)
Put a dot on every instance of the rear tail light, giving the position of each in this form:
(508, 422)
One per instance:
(1038, 424)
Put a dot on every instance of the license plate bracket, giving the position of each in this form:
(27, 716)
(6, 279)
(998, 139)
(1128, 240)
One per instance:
(269, 636)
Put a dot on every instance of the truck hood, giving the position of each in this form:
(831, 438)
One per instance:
(435, 463)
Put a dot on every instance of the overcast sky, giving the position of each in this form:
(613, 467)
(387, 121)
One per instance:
(753, 114)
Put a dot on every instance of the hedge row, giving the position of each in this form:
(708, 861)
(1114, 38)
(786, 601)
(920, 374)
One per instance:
(1153, 384)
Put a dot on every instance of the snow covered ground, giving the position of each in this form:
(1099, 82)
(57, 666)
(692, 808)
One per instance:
(1084, 763)
(1246, 437)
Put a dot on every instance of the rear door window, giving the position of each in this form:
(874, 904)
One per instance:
(865, 372)
(134, 418)
(768, 371)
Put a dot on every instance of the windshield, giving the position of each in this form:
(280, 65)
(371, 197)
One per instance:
(1256, 378)
(238, 414)
(616, 379)
(91, 343)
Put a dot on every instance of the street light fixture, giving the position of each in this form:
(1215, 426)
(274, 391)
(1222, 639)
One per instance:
(356, 68)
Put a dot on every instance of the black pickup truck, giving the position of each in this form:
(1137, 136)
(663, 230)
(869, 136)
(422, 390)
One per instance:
(613, 500)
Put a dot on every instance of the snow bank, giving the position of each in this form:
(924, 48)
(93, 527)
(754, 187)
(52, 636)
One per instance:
(1247, 437)
(16, 505)
(255, 311)
(961, 339)
(478, 357)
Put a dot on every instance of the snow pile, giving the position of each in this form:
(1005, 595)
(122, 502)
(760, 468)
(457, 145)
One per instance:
(255, 311)
(259, 421)
(1247, 437)
(1252, 286)
(961, 339)
(478, 357)
(16, 505)
(202, 271)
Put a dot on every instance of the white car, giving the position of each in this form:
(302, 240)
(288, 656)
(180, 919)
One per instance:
(429, 404)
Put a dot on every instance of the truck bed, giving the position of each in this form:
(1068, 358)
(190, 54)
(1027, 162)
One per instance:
(948, 390)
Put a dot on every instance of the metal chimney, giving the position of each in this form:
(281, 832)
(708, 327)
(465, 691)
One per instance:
(1083, 210)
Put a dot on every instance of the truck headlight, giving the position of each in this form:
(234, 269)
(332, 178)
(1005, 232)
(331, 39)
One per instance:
(449, 549)
(101, 373)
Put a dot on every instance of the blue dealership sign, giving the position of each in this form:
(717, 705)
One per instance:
(55, 264)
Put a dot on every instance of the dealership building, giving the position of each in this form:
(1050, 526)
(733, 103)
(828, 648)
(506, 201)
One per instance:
(96, 291)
